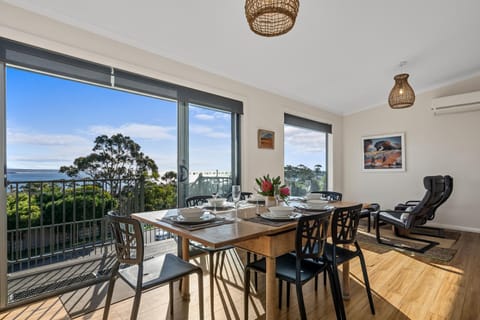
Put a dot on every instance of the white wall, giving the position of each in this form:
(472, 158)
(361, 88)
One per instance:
(261, 109)
(448, 144)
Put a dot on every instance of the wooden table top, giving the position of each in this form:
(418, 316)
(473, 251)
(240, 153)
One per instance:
(225, 234)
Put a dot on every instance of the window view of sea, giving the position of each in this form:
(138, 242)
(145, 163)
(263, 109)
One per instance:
(16, 175)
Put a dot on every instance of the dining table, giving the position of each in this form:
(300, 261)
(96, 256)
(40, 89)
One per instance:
(245, 231)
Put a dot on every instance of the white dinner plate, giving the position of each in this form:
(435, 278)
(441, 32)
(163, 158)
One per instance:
(269, 216)
(205, 218)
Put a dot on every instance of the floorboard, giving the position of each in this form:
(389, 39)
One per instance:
(404, 288)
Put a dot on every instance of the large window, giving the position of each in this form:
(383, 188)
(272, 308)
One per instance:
(56, 111)
(305, 155)
(61, 113)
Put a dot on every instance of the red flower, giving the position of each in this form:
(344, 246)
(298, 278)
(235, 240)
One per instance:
(267, 186)
(284, 192)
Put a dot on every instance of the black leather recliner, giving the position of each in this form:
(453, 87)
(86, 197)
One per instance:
(419, 228)
(405, 220)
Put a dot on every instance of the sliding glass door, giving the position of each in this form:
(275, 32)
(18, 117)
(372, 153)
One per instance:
(210, 151)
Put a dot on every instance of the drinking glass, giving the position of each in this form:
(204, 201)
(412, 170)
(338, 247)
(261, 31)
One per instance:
(308, 185)
(215, 195)
(276, 194)
(236, 194)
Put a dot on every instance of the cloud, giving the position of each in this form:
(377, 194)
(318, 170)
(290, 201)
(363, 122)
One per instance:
(137, 130)
(208, 132)
(304, 140)
(204, 116)
(39, 139)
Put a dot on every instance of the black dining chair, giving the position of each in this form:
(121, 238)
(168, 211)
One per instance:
(304, 265)
(367, 212)
(344, 228)
(143, 275)
(330, 195)
(212, 252)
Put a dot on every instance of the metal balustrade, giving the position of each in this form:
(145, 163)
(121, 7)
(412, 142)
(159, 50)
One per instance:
(53, 221)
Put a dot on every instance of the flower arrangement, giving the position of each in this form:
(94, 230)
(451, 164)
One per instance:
(268, 185)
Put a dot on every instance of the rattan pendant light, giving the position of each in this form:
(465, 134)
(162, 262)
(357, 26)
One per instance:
(270, 18)
(402, 94)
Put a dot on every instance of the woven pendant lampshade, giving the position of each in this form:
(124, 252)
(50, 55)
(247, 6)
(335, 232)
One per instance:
(402, 95)
(271, 18)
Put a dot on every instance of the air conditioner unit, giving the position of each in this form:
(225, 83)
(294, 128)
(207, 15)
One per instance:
(458, 103)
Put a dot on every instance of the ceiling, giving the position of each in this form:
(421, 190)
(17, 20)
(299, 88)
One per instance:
(340, 56)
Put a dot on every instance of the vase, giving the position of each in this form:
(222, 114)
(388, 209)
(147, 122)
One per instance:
(270, 201)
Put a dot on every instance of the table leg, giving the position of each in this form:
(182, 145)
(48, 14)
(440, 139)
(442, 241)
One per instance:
(186, 279)
(346, 278)
(271, 289)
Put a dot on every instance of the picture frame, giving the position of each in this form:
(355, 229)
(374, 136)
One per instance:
(383, 153)
(266, 139)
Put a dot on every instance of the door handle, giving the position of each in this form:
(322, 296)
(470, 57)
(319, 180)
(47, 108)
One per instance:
(183, 173)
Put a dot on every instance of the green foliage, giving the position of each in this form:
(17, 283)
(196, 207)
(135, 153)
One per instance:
(25, 212)
(160, 196)
(115, 157)
(295, 176)
(87, 202)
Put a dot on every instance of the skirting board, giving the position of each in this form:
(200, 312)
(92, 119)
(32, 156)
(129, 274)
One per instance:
(453, 227)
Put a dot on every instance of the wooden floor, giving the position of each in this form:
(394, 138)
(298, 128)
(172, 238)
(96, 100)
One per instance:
(404, 288)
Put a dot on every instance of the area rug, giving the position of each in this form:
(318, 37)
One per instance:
(440, 253)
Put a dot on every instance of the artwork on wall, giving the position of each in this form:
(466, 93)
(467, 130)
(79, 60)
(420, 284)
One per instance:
(266, 139)
(384, 153)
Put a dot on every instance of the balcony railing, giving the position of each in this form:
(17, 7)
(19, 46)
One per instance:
(58, 220)
(57, 237)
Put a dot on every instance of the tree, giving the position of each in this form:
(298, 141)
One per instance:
(115, 157)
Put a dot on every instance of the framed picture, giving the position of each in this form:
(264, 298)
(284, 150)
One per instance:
(384, 153)
(266, 139)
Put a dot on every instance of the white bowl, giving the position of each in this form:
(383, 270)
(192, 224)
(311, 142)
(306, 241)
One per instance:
(216, 202)
(280, 211)
(314, 196)
(191, 213)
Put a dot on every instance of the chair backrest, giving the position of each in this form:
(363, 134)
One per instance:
(435, 186)
(311, 235)
(330, 195)
(448, 181)
(128, 236)
(196, 200)
(345, 224)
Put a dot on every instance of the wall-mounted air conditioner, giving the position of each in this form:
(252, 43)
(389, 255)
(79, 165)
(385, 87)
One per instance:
(458, 103)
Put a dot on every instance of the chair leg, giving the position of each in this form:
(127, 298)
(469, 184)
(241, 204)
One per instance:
(324, 279)
(367, 283)
(211, 257)
(170, 301)
(280, 291)
(369, 221)
(200, 294)
(111, 285)
(288, 295)
(255, 274)
(428, 246)
(301, 303)
(246, 292)
(138, 295)
(336, 293)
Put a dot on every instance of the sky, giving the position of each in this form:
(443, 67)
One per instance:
(52, 121)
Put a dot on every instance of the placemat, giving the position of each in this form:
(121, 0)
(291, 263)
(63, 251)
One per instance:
(192, 227)
(261, 220)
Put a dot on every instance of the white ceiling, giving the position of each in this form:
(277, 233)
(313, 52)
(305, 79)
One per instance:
(340, 56)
